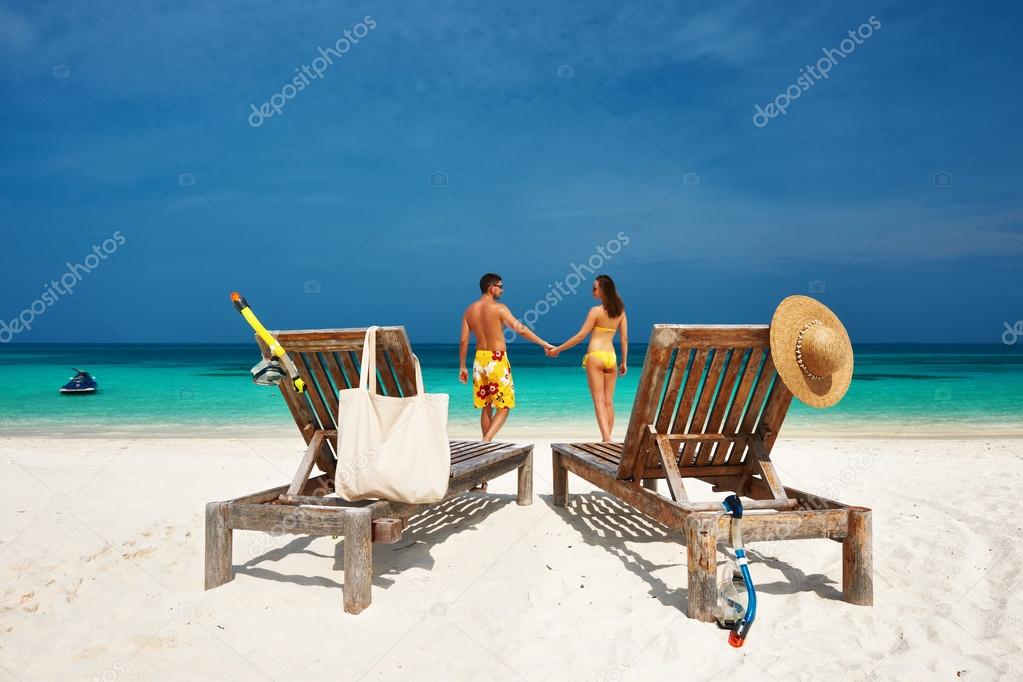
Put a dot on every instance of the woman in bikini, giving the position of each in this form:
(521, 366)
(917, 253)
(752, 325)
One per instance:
(601, 364)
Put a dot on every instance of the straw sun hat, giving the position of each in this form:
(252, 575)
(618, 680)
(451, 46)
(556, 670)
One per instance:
(811, 351)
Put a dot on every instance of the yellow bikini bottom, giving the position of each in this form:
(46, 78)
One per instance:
(608, 357)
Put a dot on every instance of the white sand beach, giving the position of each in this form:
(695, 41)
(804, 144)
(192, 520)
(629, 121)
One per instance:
(101, 565)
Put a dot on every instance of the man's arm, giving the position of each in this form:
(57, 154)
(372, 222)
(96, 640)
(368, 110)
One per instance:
(463, 348)
(623, 366)
(522, 330)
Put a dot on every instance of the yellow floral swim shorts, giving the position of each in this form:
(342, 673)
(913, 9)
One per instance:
(492, 380)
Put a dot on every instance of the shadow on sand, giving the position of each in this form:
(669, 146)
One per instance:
(433, 526)
(604, 521)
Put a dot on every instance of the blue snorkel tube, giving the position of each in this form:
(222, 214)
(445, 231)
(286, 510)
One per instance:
(733, 506)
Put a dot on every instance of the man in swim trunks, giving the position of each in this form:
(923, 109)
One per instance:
(492, 386)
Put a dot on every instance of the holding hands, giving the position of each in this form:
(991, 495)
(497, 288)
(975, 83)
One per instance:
(552, 351)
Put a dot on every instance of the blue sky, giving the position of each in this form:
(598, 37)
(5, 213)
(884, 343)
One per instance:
(462, 137)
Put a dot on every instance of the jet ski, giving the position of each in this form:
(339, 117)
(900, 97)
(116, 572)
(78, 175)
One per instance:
(81, 382)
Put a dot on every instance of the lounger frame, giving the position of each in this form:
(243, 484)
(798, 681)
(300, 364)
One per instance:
(709, 406)
(328, 361)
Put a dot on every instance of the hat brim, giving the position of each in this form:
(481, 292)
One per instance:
(791, 316)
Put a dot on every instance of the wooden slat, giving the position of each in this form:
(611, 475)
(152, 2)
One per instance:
(648, 393)
(460, 445)
(350, 366)
(765, 468)
(319, 407)
(334, 369)
(714, 335)
(675, 486)
(596, 452)
(704, 453)
(327, 391)
(774, 414)
(735, 410)
(384, 371)
(401, 358)
(756, 402)
(699, 421)
(612, 450)
(678, 373)
(693, 383)
(305, 467)
(479, 451)
(702, 437)
(716, 471)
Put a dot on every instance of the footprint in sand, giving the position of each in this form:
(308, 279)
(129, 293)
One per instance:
(98, 554)
(138, 554)
(27, 605)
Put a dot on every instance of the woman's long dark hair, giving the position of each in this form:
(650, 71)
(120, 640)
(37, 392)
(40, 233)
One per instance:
(613, 304)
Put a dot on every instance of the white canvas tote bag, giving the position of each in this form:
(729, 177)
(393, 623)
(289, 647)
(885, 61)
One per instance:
(391, 448)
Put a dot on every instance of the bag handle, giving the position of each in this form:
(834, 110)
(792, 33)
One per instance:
(420, 389)
(368, 370)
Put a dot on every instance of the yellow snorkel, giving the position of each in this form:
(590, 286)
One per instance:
(268, 372)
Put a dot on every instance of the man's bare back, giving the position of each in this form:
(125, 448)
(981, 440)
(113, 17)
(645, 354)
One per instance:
(486, 319)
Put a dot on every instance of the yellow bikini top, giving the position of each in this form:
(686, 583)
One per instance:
(603, 329)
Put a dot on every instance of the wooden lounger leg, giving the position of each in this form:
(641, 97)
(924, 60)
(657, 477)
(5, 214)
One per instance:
(358, 527)
(858, 559)
(560, 481)
(219, 543)
(525, 496)
(702, 544)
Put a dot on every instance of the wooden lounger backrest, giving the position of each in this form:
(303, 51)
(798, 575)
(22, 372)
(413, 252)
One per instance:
(713, 390)
(329, 360)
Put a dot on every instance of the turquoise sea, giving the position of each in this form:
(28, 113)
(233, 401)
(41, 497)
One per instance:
(185, 389)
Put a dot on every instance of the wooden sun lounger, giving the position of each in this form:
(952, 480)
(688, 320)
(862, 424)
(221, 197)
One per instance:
(328, 361)
(708, 406)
